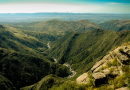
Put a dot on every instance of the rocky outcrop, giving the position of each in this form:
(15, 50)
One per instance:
(83, 79)
(123, 88)
(109, 65)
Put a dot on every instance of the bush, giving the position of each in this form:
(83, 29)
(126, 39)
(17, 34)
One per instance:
(115, 62)
(121, 50)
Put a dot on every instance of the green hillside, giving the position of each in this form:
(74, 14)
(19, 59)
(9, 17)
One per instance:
(46, 83)
(5, 84)
(82, 50)
(28, 63)
(23, 70)
(57, 27)
(22, 57)
(14, 39)
(116, 25)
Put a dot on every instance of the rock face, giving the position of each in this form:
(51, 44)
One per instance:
(83, 79)
(109, 65)
(123, 88)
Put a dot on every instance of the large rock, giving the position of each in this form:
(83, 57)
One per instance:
(108, 66)
(114, 71)
(106, 71)
(123, 88)
(100, 67)
(99, 63)
(83, 79)
(98, 75)
(122, 58)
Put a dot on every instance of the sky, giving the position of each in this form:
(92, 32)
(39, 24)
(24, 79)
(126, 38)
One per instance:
(65, 6)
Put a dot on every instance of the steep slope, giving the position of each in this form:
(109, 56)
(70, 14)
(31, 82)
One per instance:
(23, 70)
(16, 40)
(82, 50)
(109, 73)
(22, 59)
(5, 84)
(56, 27)
(116, 25)
(112, 70)
(45, 83)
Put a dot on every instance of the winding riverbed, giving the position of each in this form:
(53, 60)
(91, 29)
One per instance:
(65, 64)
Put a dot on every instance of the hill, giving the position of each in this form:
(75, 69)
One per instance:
(45, 83)
(22, 60)
(82, 50)
(34, 17)
(109, 73)
(30, 52)
(5, 84)
(116, 25)
(23, 70)
(57, 27)
(25, 42)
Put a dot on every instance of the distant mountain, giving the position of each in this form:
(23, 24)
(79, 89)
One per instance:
(24, 41)
(26, 58)
(56, 27)
(82, 50)
(116, 25)
(31, 17)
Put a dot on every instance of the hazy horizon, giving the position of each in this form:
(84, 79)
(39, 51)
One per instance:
(65, 6)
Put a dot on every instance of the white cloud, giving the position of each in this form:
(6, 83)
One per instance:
(43, 7)
(54, 7)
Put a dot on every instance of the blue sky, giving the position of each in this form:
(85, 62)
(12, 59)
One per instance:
(71, 6)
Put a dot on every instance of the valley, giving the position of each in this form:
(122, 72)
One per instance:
(53, 54)
(73, 73)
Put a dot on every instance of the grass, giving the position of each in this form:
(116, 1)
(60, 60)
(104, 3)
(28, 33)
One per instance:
(115, 62)
(82, 50)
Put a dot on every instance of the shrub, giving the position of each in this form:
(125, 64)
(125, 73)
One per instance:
(115, 62)
(120, 50)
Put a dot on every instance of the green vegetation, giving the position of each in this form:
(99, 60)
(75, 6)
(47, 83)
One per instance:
(116, 25)
(26, 61)
(5, 84)
(57, 27)
(115, 62)
(82, 50)
(24, 70)
(46, 83)
(121, 50)
(70, 85)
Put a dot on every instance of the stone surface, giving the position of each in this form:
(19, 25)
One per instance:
(122, 88)
(98, 75)
(106, 71)
(122, 57)
(106, 66)
(98, 64)
(83, 79)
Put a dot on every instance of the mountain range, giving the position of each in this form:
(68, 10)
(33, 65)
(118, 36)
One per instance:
(28, 63)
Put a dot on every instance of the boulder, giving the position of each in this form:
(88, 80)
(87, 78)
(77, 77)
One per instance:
(123, 88)
(100, 67)
(122, 57)
(106, 71)
(83, 79)
(98, 75)
(98, 64)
